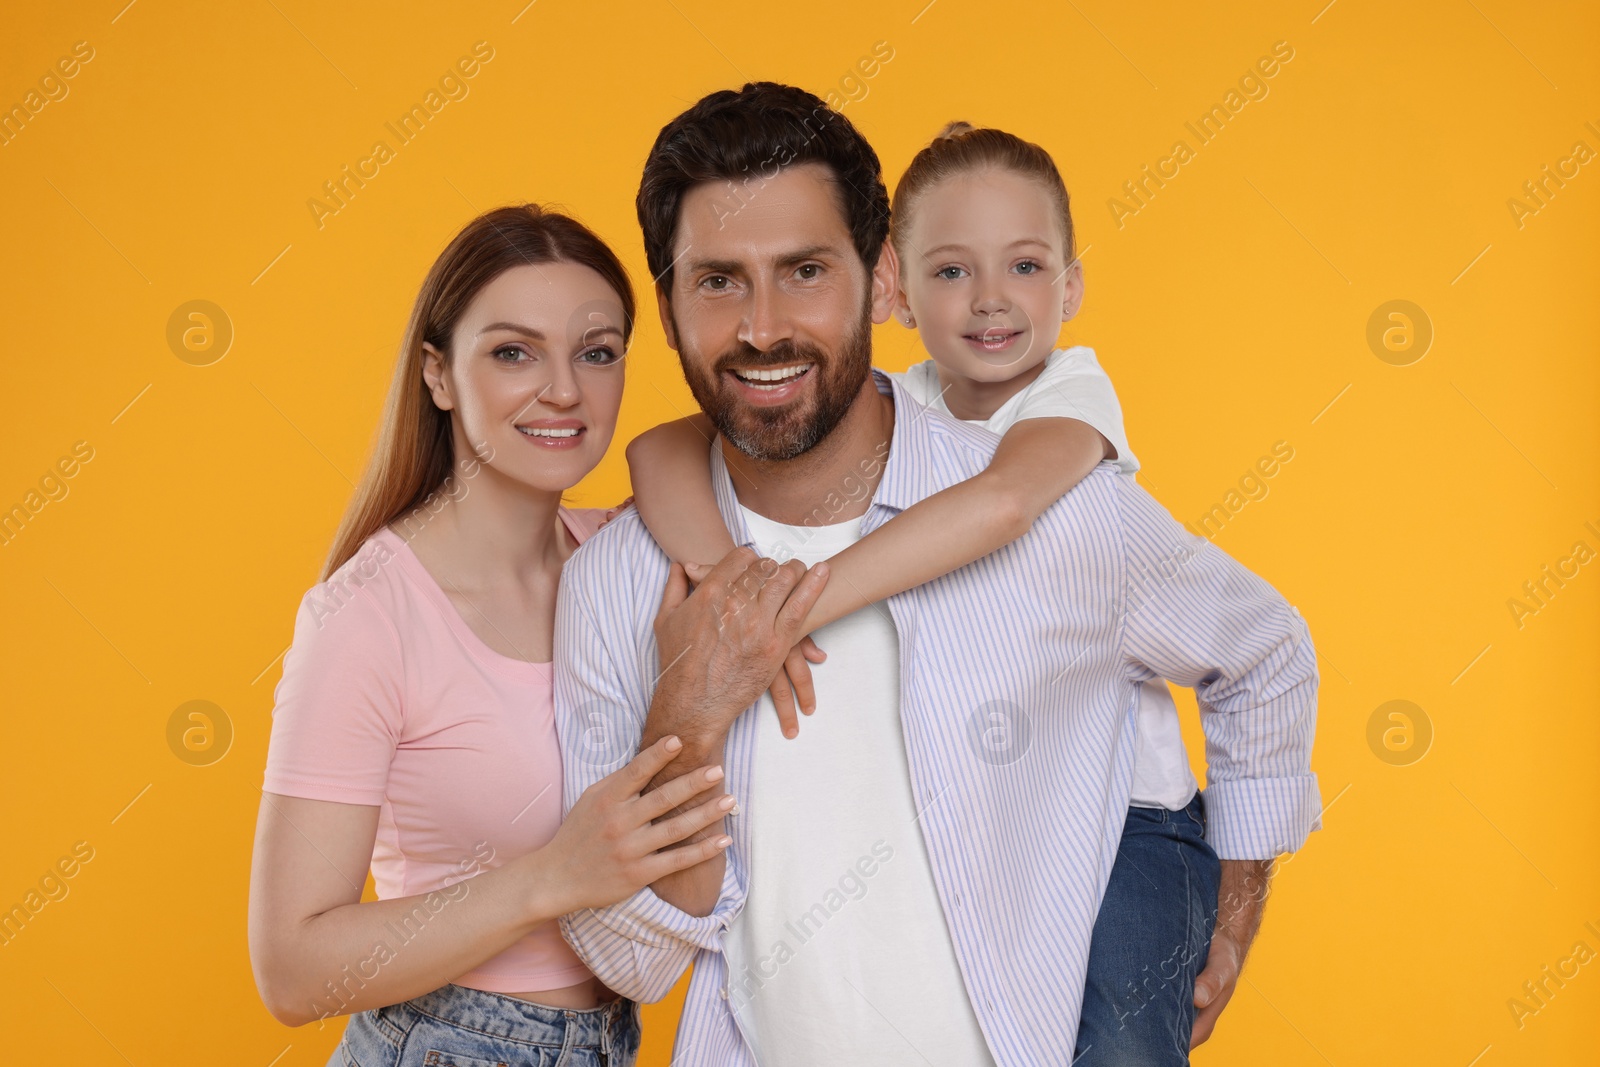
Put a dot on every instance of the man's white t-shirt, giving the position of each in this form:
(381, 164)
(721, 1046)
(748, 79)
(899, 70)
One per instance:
(841, 953)
(1073, 385)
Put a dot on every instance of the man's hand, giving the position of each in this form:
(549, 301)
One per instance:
(722, 645)
(1241, 897)
(719, 647)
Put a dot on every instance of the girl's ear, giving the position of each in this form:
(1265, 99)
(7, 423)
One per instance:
(885, 284)
(1072, 298)
(434, 377)
(902, 309)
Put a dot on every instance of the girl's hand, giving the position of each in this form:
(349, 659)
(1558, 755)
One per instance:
(612, 513)
(796, 676)
(609, 846)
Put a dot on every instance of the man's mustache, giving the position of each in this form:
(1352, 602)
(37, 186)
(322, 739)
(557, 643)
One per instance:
(748, 357)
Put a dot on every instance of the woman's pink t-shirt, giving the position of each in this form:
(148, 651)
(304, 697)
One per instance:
(388, 698)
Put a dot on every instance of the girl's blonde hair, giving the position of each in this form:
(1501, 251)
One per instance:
(959, 148)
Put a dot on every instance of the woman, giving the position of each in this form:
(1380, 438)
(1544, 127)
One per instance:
(413, 728)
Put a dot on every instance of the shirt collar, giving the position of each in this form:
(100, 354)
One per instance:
(910, 473)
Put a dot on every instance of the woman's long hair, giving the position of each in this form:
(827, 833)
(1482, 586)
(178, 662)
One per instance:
(414, 450)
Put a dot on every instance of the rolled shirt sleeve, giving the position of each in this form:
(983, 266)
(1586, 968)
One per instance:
(642, 945)
(1197, 617)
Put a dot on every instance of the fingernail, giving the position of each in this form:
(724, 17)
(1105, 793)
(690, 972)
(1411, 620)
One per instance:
(673, 744)
(713, 774)
(821, 569)
(789, 732)
(728, 802)
(724, 841)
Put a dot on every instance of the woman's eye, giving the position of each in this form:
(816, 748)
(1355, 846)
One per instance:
(949, 274)
(598, 357)
(508, 354)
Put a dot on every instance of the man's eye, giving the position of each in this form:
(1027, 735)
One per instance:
(809, 271)
(717, 282)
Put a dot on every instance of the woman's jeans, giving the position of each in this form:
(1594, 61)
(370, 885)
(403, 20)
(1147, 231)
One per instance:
(1150, 942)
(460, 1027)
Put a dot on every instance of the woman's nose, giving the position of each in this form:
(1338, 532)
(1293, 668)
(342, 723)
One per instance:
(560, 388)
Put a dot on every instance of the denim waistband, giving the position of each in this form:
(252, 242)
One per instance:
(498, 1015)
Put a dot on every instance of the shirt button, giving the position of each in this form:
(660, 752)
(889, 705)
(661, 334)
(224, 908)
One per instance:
(723, 992)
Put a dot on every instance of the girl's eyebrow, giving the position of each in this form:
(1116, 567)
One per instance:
(963, 248)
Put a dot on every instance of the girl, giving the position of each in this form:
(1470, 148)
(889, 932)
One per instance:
(989, 272)
(413, 727)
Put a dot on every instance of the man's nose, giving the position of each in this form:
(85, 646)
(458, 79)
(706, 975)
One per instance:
(766, 319)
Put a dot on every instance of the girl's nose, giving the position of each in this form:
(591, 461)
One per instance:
(991, 302)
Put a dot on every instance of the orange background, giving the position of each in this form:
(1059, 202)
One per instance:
(1231, 310)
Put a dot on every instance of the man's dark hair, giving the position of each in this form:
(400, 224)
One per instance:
(746, 137)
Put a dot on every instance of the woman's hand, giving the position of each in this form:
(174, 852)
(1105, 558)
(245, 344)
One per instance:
(792, 684)
(610, 846)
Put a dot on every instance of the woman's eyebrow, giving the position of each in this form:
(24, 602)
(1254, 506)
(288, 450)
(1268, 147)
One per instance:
(514, 327)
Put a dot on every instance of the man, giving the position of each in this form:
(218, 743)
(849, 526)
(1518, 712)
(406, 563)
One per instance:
(916, 877)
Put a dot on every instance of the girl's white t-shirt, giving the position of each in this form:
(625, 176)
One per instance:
(1073, 385)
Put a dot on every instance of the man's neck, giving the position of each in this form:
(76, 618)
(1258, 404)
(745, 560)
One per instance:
(839, 476)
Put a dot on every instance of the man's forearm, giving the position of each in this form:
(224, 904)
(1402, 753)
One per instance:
(1241, 899)
(697, 889)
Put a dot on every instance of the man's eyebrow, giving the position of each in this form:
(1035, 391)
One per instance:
(514, 327)
(732, 266)
(809, 252)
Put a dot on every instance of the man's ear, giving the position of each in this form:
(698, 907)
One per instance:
(885, 284)
(434, 378)
(664, 307)
(1072, 299)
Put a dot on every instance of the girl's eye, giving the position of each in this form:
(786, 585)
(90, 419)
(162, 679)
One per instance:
(949, 274)
(1032, 267)
(598, 357)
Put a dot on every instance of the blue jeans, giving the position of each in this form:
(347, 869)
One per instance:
(459, 1027)
(1150, 942)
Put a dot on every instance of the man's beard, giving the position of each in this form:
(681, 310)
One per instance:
(781, 433)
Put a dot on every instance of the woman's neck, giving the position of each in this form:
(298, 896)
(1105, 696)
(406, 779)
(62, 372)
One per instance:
(490, 530)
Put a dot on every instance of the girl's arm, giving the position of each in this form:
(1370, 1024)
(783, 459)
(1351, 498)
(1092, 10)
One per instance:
(1036, 463)
(310, 932)
(671, 473)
